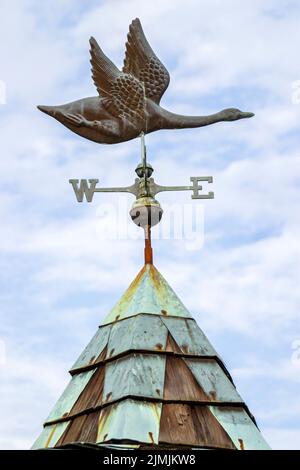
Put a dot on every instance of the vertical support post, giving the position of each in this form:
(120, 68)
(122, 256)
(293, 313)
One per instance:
(144, 162)
(143, 150)
(148, 247)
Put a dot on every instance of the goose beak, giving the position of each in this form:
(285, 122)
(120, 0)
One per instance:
(247, 115)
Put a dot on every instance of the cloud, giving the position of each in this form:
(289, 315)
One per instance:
(283, 439)
(24, 382)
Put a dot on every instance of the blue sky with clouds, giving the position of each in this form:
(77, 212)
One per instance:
(60, 275)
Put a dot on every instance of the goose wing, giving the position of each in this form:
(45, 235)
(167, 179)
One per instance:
(141, 62)
(123, 93)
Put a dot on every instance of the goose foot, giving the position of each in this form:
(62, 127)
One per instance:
(75, 119)
(109, 128)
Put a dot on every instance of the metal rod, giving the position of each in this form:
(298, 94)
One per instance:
(160, 189)
(129, 189)
(148, 247)
(144, 162)
(143, 150)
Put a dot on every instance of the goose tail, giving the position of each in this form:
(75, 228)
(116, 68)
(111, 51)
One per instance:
(51, 110)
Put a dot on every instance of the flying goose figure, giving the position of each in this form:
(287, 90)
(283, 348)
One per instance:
(128, 100)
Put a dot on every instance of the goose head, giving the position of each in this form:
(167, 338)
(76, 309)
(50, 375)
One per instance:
(233, 114)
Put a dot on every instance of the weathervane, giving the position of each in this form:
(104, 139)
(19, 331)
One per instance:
(128, 106)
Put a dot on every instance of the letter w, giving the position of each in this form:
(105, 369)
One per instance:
(84, 189)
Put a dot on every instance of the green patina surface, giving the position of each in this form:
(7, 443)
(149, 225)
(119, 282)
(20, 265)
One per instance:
(148, 293)
(50, 435)
(70, 395)
(132, 420)
(212, 379)
(135, 375)
(94, 348)
(240, 428)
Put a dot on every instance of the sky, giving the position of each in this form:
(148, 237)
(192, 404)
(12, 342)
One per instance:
(62, 270)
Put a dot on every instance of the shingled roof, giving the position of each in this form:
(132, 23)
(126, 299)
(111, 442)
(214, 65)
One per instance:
(150, 378)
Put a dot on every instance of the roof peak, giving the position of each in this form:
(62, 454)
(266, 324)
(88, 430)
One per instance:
(149, 293)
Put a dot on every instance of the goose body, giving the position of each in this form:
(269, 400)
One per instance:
(128, 101)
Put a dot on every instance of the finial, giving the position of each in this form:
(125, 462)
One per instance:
(146, 211)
